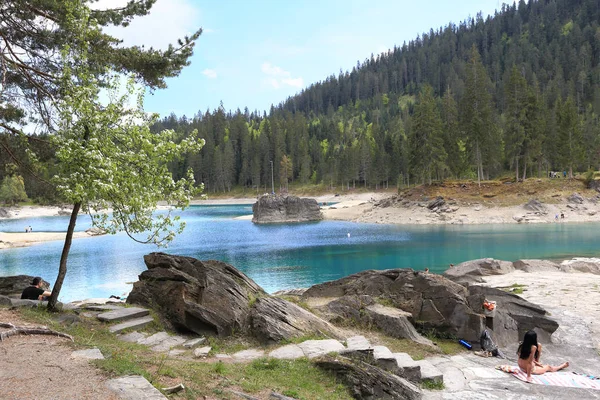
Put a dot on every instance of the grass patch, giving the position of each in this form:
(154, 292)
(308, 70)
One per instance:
(433, 385)
(515, 288)
(385, 301)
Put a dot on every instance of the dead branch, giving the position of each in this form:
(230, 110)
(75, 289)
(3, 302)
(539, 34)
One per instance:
(29, 330)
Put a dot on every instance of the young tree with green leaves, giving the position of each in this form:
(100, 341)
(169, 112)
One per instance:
(107, 156)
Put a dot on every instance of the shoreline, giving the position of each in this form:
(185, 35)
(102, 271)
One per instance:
(369, 207)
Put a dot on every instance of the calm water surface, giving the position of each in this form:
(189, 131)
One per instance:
(287, 256)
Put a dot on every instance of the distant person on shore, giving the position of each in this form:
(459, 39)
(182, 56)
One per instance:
(34, 291)
(562, 215)
(530, 352)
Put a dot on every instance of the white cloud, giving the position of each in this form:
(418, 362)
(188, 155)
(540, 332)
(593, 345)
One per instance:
(210, 73)
(168, 21)
(278, 77)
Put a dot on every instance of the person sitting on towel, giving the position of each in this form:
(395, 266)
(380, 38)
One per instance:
(530, 352)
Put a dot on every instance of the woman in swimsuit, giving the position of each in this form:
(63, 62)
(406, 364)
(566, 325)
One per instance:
(530, 352)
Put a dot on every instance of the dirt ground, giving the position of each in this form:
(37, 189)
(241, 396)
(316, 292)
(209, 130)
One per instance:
(40, 367)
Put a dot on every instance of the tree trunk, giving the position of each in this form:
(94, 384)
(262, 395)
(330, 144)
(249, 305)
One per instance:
(62, 268)
(517, 168)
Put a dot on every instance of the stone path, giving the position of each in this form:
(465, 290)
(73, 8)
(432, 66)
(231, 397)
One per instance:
(464, 376)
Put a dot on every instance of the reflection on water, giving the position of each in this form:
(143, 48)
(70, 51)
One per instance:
(284, 256)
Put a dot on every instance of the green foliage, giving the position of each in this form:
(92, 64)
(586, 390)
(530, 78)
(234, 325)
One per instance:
(433, 385)
(109, 159)
(12, 190)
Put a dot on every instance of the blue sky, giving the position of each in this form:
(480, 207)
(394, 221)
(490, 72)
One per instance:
(254, 53)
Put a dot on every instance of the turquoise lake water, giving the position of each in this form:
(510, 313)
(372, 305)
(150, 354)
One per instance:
(287, 256)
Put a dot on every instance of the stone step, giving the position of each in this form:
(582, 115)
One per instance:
(134, 387)
(123, 314)
(287, 352)
(358, 343)
(101, 307)
(168, 343)
(384, 358)
(155, 339)
(315, 348)
(407, 367)
(190, 344)
(429, 372)
(131, 324)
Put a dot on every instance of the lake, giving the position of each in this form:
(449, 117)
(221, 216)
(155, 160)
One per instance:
(285, 256)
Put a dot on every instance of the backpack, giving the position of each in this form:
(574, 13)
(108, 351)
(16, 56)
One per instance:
(487, 344)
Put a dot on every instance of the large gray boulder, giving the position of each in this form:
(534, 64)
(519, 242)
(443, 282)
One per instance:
(12, 286)
(205, 297)
(214, 298)
(535, 206)
(512, 317)
(274, 320)
(472, 271)
(276, 209)
(366, 381)
(364, 311)
(588, 265)
(536, 266)
(434, 302)
(575, 198)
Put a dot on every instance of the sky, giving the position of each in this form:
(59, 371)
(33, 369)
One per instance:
(255, 53)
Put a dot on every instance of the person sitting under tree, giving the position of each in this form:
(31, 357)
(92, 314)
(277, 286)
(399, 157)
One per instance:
(35, 291)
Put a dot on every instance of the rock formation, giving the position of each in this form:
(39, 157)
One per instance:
(512, 317)
(366, 381)
(434, 302)
(473, 271)
(212, 297)
(277, 209)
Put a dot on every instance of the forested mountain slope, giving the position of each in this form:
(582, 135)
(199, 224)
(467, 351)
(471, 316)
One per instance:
(517, 91)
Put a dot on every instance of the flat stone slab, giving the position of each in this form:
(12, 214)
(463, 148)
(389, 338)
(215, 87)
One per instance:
(132, 337)
(248, 355)
(383, 353)
(190, 344)
(103, 307)
(407, 367)
(168, 343)
(315, 348)
(123, 314)
(131, 324)
(429, 372)
(88, 354)
(134, 387)
(176, 352)
(155, 339)
(222, 356)
(358, 343)
(202, 351)
(287, 352)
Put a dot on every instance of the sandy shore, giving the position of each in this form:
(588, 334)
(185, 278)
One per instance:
(356, 207)
(10, 240)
